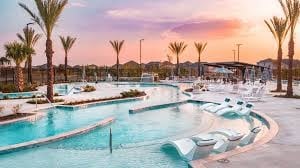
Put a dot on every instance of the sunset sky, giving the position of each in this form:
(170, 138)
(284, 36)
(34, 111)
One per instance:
(221, 23)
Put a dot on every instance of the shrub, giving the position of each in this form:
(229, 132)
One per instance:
(43, 101)
(16, 109)
(2, 109)
(11, 88)
(89, 88)
(132, 93)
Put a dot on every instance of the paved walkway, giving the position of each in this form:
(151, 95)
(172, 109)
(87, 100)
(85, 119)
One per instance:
(284, 150)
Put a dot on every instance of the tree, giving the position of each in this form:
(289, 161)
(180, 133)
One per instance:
(200, 48)
(291, 9)
(117, 45)
(177, 48)
(18, 52)
(48, 14)
(67, 43)
(279, 29)
(29, 39)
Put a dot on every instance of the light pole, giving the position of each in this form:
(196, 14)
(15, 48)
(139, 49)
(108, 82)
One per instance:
(234, 55)
(141, 40)
(238, 46)
(29, 79)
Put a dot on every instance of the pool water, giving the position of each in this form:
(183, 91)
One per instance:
(137, 138)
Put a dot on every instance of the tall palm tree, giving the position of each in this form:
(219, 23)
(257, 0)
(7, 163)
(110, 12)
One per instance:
(48, 14)
(18, 52)
(177, 48)
(117, 45)
(291, 9)
(279, 29)
(200, 48)
(67, 43)
(29, 39)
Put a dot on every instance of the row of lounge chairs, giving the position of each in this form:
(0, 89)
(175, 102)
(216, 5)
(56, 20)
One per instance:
(240, 108)
(202, 145)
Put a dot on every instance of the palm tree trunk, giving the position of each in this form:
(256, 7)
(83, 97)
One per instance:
(66, 66)
(199, 66)
(29, 69)
(289, 92)
(177, 68)
(279, 76)
(50, 77)
(118, 70)
(19, 78)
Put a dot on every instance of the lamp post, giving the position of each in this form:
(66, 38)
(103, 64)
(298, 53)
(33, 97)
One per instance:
(27, 42)
(141, 40)
(234, 55)
(238, 46)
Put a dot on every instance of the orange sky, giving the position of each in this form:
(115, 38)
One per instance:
(221, 23)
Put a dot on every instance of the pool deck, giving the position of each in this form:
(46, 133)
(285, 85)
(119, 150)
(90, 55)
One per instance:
(282, 151)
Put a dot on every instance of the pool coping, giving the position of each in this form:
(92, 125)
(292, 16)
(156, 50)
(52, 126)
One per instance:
(47, 140)
(85, 105)
(272, 132)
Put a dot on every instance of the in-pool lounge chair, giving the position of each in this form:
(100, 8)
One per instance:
(211, 105)
(202, 145)
(232, 140)
(248, 139)
(239, 110)
(191, 150)
(214, 109)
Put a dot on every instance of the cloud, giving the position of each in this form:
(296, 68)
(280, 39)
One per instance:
(125, 13)
(211, 28)
(79, 4)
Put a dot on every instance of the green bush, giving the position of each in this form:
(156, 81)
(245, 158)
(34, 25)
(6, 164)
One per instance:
(11, 88)
(132, 93)
(43, 101)
(89, 88)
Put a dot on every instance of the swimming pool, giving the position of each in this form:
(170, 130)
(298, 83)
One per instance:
(60, 89)
(136, 137)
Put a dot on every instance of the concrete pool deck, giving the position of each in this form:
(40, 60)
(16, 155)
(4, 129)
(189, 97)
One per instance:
(283, 150)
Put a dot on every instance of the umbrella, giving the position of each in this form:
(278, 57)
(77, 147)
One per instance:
(223, 71)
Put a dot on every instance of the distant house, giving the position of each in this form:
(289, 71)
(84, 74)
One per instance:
(272, 63)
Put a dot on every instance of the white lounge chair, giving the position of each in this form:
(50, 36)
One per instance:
(210, 105)
(214, 109)
(244, 111)
(232, 141)
(191, 150)
(248, 139)
(227, 139)
(237, 107)
(235, 89)
(256, 96)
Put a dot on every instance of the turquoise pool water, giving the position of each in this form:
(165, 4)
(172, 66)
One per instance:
(136, 137)
(61, 89)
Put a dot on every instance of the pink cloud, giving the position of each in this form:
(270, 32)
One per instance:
(212, 29)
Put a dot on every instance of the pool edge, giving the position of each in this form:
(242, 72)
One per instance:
(273, 131)
(43, 141)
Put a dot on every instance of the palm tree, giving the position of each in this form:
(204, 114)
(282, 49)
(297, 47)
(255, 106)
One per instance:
(170, 59)
(200, 48)
(29, 39)
(117, 45)
(48, 14)
(291, 9)
(279, 28)
(177, 48)
(4, 61)
(18, 52)
(67, 43)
